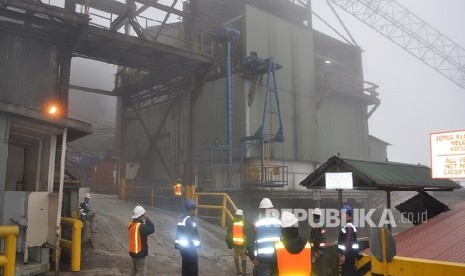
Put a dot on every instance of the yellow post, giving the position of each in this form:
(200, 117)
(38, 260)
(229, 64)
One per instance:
(383, 247)
(122, 188)
(152, 198)
(75, 245)
(9, 259)
(223, 212)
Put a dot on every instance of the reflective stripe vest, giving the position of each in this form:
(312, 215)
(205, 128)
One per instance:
(293, 264)
(238, 233)
(135, 242)
(177, 189)
(344, 244)
(187, 236)
(268, 232)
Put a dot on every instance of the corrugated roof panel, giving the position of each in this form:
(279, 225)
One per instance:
(441, 238)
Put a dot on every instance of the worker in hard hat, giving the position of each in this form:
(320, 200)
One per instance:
(177, 192)
(293, 252)
(88, 213)
(236, 239)
(139, 228)
(267, 232)
(187, 240)
(317, 241)
(347, 243)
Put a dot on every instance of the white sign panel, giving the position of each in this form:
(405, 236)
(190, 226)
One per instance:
(339, 181)
(448, 154)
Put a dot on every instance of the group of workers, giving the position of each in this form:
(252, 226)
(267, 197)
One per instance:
(272, 244)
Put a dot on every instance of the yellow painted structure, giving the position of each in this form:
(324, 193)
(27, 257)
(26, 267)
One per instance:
(75, 244)
(403, 266)
(224, 207)
(8, 260)
(122, 188)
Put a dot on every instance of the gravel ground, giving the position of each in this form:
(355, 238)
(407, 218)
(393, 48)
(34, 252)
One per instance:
(107, 252)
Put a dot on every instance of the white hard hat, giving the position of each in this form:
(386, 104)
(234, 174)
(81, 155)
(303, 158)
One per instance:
(88, 196)
(239, 212)
(288, 219)
(138, 211)
(266, 203)
(316, 211)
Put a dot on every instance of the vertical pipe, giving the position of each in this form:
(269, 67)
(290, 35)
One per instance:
(4, 137)
(229, 111)
(60, 201)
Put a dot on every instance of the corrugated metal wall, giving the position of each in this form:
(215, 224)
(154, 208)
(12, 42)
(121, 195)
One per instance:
(292, 47)
(171, 142)
(28, 71)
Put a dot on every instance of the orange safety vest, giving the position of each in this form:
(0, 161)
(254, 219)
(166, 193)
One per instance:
(293, 264)
(238, 233)
(177, 190)
(135, 242)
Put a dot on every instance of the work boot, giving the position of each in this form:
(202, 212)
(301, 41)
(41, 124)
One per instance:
(244, 267)
(236, 262)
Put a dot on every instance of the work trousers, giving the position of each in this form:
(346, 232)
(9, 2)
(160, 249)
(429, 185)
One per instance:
(138, 267)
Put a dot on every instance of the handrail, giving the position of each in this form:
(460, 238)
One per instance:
(143, 195)
(75, 243)
(224, 207)
(8, 259)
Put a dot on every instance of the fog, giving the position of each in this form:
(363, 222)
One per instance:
(415, 99)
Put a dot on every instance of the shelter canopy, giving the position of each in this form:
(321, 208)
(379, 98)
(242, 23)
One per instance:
(387, 176)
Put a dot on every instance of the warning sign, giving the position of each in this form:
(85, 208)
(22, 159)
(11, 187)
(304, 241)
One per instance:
(448, 154)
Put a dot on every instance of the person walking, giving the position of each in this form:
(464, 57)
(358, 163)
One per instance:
(292, 251)
(237, 241)
(317, 242)
(187, 240)
(347, 243)
(88, 213)
(139, 228)
(267, 230)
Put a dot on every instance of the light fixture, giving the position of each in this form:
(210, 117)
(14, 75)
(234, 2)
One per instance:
(328, 61)
(52, 109)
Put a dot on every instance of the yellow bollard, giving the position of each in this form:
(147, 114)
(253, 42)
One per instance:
(122, 188)
(9, 259)
(75, 244)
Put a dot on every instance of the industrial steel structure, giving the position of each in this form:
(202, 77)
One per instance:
(183, 86)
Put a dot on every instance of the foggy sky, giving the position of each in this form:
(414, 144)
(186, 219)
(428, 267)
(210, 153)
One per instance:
(415, 99)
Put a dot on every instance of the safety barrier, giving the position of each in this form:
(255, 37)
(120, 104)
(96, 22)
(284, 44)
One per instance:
(134, 189)
(75, 243)
(224, 207)
(403, 266)
(8, 260)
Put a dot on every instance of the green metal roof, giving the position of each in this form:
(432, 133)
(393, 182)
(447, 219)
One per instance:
(379, 176)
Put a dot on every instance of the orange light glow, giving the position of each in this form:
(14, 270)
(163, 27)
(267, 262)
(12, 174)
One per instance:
(53, 110)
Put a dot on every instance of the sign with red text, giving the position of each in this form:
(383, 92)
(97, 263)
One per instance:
(448, 154)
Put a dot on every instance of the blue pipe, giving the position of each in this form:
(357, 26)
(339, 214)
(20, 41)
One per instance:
(229, 111)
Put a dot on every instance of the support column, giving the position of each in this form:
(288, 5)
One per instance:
(191, 150)
(4, 131)
(122, 102)
(388, 206)
(63, 81)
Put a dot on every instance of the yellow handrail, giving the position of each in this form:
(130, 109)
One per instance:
(75, 244)
(8, 259)
(224, 207)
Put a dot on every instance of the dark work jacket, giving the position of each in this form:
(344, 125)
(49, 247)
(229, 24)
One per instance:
(85, 207)
(145, 230)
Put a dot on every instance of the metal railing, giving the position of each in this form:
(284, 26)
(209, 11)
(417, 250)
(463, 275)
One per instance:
(75, 243)
(134, 192)
(224, 207)
(8, 259)
(276, 174)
